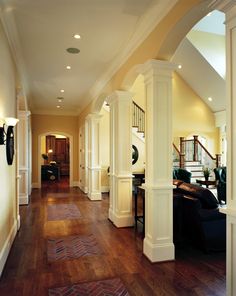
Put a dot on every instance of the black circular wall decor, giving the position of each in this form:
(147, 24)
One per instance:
(10, 145)
(134, 154)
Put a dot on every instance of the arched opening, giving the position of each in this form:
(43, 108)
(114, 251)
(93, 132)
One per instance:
(55, 158)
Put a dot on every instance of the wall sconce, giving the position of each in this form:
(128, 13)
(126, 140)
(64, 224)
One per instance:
(8, 137)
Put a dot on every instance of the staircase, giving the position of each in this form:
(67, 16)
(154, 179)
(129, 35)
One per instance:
(191, 155)
(138, 120)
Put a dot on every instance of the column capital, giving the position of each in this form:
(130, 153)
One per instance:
(120, 95)
(24, 114)
(93, 117)
(157, 67)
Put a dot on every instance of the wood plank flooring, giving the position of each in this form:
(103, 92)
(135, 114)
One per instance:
(28, 272)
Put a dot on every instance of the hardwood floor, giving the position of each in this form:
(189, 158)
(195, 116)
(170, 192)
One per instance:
(28, 272)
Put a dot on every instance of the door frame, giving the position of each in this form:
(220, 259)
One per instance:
(40, 156)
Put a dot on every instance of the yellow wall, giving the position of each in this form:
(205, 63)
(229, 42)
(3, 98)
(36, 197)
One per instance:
(104, 146)
(8, 200)
(42, 124)
(139, 91)
(192, 116)
(153, 47)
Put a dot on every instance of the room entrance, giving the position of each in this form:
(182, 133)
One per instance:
(55, 163)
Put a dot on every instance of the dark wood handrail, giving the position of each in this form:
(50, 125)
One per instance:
(138, 107)
(207, 152)
(138, 119)
(196, 144)
(177, 150)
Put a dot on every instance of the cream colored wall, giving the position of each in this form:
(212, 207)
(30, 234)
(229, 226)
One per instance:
(192, 116)
(104, 146)
(212, 47)
(8, 199)
(139, 91)
(153, 47)
(42, 124)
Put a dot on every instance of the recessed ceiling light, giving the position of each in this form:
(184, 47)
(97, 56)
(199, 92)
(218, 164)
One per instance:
(58, 106)
(73, 50)
(59, 100)
(210, 99)
(62, 90)
(77, 36)
(180, 66)
(68, 67)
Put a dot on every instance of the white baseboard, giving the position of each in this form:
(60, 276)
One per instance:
(95, 196)
(105, 189)
(75, 183)
(7, 246)
(35, 185)
(23, 199)
(18, 222)
(84, 189)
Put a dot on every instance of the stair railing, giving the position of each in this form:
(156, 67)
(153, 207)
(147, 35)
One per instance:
(138, 120)
(178, 156)
(195, 151)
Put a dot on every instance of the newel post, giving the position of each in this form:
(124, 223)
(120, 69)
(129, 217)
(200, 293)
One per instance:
(195, 148)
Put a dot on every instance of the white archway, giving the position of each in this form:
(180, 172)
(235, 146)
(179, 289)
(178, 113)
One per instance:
(71, 154)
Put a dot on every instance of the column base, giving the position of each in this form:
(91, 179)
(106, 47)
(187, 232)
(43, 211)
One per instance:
(23, 199)
(123, 221)
(110, 215)
(95, 196)
(158, 252)
(18, 222)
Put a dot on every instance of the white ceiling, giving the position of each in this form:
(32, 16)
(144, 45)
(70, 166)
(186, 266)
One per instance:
(40, 31)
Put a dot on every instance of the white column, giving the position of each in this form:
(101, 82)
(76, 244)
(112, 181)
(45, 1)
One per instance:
(229, 7)
(24, 152)
(94, 166)
(120, 210)
(158, 243)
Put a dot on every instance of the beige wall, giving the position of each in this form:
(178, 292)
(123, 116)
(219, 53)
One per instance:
(192, 116)
(161, 44)
(104, 146)
(8, 200)
(42, 124)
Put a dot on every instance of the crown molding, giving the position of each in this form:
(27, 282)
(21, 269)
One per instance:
(145, 26)
(10, 28)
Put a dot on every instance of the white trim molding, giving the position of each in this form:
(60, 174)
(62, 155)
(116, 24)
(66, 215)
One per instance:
(7, 246)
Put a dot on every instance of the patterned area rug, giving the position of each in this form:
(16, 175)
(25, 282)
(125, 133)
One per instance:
(111, 287)
(72, 247)
(63, 212)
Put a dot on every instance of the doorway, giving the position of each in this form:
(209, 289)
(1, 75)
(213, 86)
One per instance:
(55, 160)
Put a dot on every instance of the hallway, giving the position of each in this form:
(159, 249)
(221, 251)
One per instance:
(116, 253)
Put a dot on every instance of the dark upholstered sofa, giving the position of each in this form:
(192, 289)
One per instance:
(220, 176)
(182, 174)
(197, 217)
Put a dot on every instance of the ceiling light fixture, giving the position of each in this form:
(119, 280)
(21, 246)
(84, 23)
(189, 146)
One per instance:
(210, 99)
(58, 106)
(73, 50)
(180, 66)
(68, 67)
(77, 36)
(62, 90)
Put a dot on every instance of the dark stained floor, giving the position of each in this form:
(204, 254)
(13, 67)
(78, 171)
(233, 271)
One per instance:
(27, 271)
